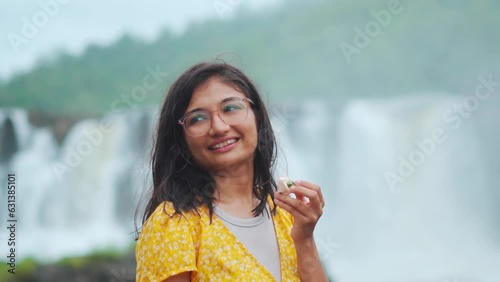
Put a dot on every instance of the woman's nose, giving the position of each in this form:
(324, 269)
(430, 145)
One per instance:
(218, 126)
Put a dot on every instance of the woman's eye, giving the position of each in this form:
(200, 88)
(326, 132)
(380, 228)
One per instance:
(197, 118)
(232, 107)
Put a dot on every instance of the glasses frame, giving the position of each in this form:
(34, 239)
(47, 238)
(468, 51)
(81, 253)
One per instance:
(182, 120)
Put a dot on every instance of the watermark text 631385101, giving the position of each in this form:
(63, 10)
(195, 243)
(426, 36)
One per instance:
(11, 223)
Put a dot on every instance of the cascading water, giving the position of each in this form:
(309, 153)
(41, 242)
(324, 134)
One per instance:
(80, 196)
(438, 222)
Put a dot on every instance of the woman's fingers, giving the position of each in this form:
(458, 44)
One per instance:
(309, 201)
(305, 215)
(313, 196)
(313, 187)
(306, 207)
(310, 209)
(293, 206)
(285, 204)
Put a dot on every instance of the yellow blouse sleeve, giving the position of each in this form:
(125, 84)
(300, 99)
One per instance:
(166, 246)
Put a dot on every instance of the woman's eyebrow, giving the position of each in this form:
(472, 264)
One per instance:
(228, 99)
(194, 110)
(201, 109)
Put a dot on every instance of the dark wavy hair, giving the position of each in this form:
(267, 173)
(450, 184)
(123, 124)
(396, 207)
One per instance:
(176, 178)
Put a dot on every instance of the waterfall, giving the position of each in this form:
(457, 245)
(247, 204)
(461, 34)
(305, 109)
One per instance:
(441, 223)
(411, 191)
(81, 195)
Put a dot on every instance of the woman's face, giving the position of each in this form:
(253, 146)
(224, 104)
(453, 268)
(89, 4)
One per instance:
(215, 151)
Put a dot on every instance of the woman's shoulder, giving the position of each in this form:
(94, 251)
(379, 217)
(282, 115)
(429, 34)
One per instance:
(164, 236)
(165, 218)
(165, 212)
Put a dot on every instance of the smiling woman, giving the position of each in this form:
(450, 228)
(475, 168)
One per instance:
(214, 214)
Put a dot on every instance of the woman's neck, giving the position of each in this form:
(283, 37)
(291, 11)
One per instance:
(235, 190)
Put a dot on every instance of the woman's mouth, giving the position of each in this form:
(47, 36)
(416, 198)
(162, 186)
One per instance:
(223, 145)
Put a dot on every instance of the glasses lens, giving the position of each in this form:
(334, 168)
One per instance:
(197, 123)
(233, 112)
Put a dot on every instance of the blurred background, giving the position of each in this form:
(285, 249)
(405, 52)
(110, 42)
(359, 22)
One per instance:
(391, 106)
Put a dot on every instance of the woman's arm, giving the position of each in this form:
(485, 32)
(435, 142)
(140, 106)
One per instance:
(155, 246)
(310, 268)
(181, 277)
(306, 210)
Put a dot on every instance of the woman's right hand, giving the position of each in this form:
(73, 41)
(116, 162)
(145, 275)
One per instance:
(306, 208)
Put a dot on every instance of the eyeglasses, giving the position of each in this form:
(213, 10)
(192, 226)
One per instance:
(232, 111)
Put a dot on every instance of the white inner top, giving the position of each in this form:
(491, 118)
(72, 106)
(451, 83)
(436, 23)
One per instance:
(258, 236)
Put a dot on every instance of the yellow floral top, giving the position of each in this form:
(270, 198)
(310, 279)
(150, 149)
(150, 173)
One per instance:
(172, 245)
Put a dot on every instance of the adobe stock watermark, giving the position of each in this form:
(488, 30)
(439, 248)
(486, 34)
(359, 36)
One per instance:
(123, 274)
(326, 248)
(122, 105)
(325, 251)
(280, 118)
(225, 8)
(372, 29)
(31, 26)
(453, 116)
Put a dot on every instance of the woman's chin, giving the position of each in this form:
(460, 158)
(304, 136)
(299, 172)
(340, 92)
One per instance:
(224, 165)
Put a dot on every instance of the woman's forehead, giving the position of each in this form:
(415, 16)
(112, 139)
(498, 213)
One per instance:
(212, 93)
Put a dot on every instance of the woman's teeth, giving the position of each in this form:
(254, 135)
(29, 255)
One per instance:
(223, 144)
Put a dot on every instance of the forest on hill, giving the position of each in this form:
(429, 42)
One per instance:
(322, 48)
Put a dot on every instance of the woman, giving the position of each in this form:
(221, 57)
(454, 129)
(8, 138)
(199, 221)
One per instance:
(213, 214)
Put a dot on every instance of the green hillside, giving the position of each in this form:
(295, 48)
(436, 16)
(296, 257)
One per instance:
(292, 52)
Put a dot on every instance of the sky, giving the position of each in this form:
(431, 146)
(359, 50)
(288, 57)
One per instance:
(33, 30)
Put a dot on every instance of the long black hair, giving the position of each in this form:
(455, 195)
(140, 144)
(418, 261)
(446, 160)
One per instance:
(176, 178)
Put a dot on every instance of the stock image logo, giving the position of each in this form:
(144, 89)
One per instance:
(225, 9)
(123, 274)
(326, 247)
(32, 24)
